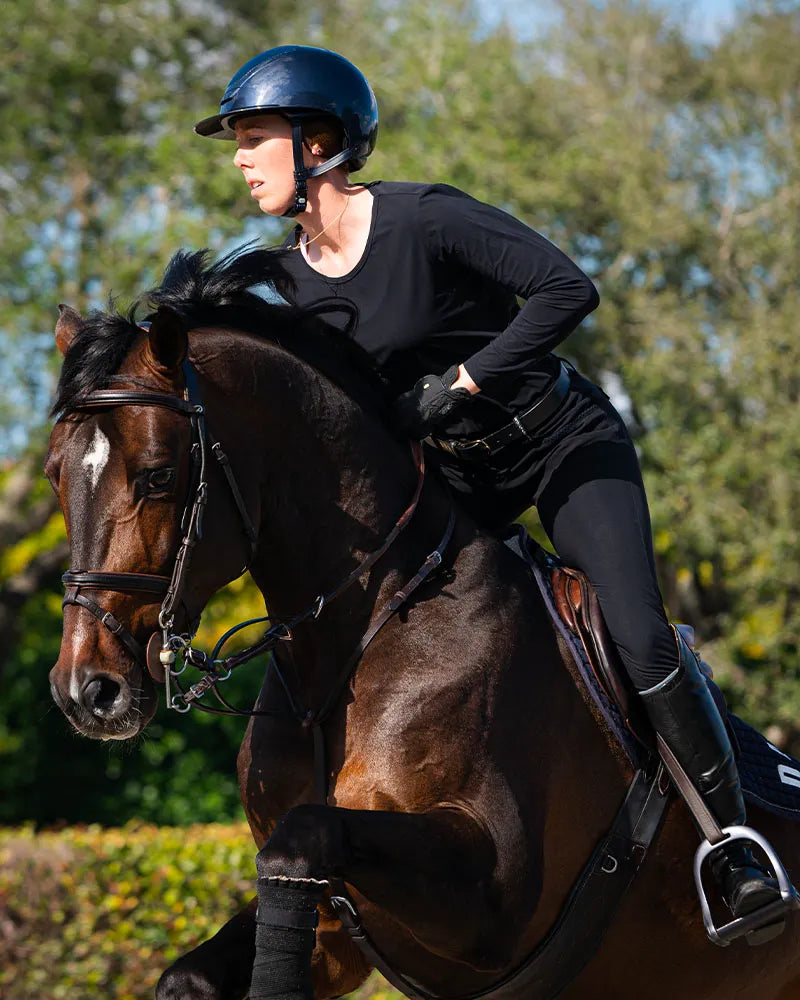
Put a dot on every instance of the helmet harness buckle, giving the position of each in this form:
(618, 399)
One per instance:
(302, 173)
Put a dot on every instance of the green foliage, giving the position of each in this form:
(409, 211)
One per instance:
(88, 912)
(669, 169)
(181, 770)
(91, 912)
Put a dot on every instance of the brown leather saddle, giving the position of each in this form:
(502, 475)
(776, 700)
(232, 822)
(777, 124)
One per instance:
(579, 609)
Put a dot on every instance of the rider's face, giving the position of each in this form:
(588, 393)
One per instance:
(265, 158)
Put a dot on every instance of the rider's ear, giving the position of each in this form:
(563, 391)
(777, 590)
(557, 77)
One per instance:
(68, 324)
(167, 339)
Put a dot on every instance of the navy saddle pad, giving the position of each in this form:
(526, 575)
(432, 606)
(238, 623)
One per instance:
(770, 778)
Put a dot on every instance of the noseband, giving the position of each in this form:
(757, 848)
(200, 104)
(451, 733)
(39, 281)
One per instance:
(172, 587)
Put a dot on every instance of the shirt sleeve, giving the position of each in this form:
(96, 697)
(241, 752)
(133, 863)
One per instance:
(459, 229)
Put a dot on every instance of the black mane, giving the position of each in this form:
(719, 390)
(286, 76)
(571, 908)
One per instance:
(218, 294)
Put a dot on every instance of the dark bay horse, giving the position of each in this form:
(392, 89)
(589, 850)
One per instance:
(468, 781)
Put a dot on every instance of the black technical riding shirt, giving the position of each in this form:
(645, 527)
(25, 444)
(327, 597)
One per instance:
(437, 285)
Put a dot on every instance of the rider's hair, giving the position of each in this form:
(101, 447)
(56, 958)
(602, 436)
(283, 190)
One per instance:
(327, 132)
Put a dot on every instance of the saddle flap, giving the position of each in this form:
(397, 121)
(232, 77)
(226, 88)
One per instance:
(577, 604)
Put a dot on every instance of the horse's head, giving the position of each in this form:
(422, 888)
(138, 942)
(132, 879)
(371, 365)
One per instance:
(124, 474)
(130, 459)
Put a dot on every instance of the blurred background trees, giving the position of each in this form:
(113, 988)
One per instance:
(668, 167)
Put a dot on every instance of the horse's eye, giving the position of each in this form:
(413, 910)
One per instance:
(159, 481)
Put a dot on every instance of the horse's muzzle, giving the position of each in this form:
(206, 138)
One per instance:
(99, 704)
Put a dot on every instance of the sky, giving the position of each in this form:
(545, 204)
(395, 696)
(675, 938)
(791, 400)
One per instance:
(706, 18)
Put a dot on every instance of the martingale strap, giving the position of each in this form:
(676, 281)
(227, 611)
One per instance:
(584, 918)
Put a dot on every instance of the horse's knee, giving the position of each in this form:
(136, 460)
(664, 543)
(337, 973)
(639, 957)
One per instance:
(307, 842)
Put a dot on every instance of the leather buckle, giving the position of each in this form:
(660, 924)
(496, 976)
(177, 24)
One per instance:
(443, 445)
(474, 450)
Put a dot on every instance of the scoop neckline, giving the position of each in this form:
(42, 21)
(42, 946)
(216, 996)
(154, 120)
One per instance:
(339, 278)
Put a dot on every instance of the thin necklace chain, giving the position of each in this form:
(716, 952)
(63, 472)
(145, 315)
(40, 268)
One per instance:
(333, 222)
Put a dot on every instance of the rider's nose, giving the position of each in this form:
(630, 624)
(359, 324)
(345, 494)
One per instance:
(105, 697)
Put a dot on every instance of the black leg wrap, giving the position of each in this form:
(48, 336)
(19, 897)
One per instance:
(285, 937)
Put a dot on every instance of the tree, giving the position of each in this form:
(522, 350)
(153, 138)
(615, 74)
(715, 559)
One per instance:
(667, 168)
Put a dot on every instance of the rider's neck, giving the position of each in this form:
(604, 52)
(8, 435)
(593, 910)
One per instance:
(336, 225)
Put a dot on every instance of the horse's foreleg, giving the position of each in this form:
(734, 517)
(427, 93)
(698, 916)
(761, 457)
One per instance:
(218, 969)
(430, 872)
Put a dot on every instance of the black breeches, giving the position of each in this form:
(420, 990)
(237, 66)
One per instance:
(594, 510)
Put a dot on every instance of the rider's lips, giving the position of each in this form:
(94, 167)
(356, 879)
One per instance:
(253, 184)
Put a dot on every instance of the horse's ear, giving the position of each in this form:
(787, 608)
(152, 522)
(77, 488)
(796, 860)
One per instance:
(69, 322)
(167, 339)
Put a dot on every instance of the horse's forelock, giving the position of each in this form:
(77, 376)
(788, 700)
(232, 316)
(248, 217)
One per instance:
(97, 351)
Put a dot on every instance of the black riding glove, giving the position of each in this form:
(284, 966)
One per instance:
(420, 409)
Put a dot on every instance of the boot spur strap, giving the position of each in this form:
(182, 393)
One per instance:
(761, 917)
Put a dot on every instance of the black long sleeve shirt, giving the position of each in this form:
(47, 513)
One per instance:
(437, 285)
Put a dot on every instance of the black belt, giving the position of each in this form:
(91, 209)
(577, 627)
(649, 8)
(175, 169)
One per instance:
(522, 426)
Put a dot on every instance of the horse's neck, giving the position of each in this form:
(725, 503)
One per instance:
(331, 480)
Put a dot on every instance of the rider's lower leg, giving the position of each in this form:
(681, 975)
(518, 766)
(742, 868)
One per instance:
(682, 711)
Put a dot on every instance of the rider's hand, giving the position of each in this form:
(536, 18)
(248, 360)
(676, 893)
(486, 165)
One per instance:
(432, 399)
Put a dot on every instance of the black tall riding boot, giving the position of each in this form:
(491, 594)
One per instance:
(682, 711)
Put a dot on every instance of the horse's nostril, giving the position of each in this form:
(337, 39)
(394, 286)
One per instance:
(101, 695)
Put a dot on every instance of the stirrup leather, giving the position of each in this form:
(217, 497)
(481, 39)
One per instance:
(723, 934)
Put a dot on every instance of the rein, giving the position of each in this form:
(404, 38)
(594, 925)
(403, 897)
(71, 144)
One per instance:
(160, 656)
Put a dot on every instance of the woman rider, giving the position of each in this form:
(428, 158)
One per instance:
(434, 275)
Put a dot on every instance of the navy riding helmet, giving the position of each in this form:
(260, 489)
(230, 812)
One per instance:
(300, 82)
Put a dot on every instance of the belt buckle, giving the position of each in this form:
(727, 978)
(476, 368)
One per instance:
(443, 445)
(471, 449)
(462, 449)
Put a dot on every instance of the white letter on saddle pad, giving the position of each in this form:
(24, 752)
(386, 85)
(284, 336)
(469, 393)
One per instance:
(789, 775)
(97, 456)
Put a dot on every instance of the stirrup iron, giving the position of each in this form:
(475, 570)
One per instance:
(758, 919)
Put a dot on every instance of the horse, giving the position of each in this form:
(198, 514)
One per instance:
(467, 779)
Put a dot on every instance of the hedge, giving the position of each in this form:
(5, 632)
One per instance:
(89, 913)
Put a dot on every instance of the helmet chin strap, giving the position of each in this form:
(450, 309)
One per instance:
(302, 173)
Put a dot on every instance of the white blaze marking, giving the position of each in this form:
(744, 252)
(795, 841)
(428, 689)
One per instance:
(74, 686)
(97, 456)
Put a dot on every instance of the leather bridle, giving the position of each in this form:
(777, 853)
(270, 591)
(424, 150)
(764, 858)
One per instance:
(172, 587)
(160, 655)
